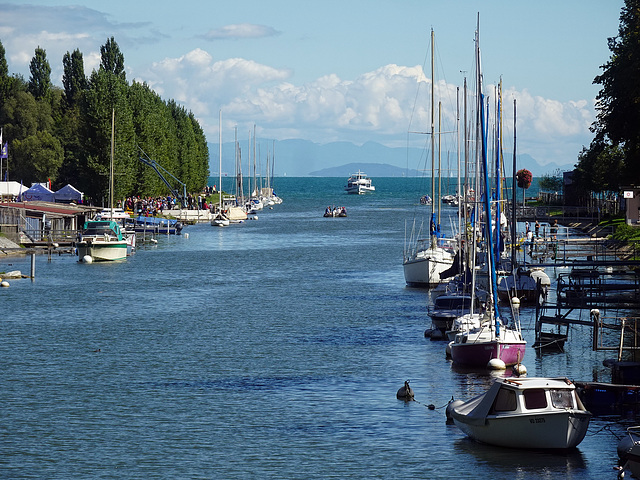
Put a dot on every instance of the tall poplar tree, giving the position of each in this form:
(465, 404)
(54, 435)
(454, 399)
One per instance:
(4, 75)
(73, 78)
(40, 80)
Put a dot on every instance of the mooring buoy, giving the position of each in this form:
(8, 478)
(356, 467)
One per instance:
(405, 392)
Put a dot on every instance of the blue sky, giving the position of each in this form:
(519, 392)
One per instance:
(347, 70)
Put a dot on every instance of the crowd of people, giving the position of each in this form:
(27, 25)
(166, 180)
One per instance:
(152, 206)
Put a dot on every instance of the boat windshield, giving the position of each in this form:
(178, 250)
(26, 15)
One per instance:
(505, 401)
(562, 398)
(99, 230)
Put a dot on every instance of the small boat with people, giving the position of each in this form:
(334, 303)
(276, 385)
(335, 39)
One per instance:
(530, 412)
(335, 212)
(359, 183)
(425, 200)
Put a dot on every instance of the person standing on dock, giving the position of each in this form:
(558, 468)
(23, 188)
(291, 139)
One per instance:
(554, 230)
(537, 229)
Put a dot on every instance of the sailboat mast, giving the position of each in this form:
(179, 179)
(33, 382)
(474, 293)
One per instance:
(220, 155)
(439, 163)
(113, 129)
(433, 143)
(514, 219)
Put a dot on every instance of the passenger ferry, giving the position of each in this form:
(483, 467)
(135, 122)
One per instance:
(359, 183)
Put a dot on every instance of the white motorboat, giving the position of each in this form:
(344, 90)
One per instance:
(123, 219)
(359, 183)
(536, 412)
(102, 240)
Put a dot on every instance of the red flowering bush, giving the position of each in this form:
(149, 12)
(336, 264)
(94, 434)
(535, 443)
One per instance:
(524, 177)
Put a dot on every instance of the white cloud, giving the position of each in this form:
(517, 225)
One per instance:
(241, 30)
(381, 105)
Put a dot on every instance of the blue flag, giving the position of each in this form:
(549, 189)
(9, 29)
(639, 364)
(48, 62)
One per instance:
(4, 152)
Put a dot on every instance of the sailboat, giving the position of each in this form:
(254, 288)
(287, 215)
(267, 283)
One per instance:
(220, 220)
(424, 260)
(493, 340)
(104, 240)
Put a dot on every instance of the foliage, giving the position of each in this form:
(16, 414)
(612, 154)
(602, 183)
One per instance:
(551, 182)
(524, 178)
(626, 232)
(612, 157)
(40, 80)
(37, 158)
(73, 79)
(65, 133)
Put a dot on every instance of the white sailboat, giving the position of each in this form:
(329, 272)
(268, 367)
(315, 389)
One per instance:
(424, 260)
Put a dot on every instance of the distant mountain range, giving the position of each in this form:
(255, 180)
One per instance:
(302, 158)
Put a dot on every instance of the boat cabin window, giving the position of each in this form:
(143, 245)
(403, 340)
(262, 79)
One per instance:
(561, 398)
(505, 401)
(535, 398)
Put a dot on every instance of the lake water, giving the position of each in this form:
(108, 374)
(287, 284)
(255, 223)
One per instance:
(271, 349)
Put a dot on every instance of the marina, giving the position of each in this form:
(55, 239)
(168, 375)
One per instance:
(262, 350)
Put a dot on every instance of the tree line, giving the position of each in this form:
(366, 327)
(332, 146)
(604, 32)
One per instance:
(612, 160)
(64, 134)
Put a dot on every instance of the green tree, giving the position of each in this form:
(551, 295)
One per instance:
(551, 182)
(37, 158)
(112, 59)
(73, 78)
(4, 74)
(613, 157)
(40, 80)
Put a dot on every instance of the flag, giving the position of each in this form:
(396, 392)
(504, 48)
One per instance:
(4, 152)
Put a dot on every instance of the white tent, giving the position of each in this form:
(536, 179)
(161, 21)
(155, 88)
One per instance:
(11, 189)
(68, 194)
(37, 192)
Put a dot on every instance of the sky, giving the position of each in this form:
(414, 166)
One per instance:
(340, 70)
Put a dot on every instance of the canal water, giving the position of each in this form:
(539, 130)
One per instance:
(271, 349)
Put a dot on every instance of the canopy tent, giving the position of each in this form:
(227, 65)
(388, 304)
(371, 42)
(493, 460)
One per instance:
(11, 189)
(37, 192)
(68, 194)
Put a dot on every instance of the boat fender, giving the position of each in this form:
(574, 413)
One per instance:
(87, 259)
(4, 284)
(447, 349)
(519, 369)
(436, 334)
(405, 392)
(496, 364)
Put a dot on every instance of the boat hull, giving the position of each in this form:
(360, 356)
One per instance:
(557, 430)
(478, 354)
(424, 269)
(103, 251)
